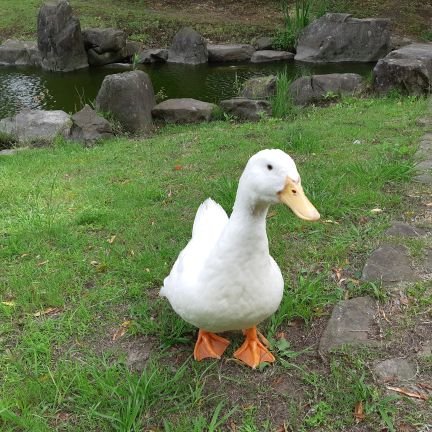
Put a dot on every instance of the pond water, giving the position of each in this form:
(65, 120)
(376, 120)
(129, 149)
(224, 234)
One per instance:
(33, 88)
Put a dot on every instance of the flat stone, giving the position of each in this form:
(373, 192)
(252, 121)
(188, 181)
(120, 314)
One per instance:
(220, 53)
(425, 178)
(8, 152)
(402, 229)
(247, 109)
(259, 88)
(351, 323)
(427, 261)
(424, 165)
(34, 125)
(395, 370)
(389, 263)
(184, 110)
(426, 350)
(271, 56)
(315, 88)
(19, 53)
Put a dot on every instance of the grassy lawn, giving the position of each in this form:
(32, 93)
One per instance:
(153, 24)
(87, 236)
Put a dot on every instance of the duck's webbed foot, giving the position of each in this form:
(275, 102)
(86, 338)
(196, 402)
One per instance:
(209, 345)
(253, 352)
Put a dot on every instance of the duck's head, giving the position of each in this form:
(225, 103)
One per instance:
(271, 177)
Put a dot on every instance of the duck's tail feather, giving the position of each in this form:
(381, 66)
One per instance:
(210, 220)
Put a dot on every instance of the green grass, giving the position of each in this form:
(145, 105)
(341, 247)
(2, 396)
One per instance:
(136, 17)
(61, 208)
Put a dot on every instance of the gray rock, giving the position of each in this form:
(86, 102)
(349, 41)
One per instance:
(408, 69)
(88, 127)
(125, 54)
(129, 97)
(8, 152)
(188, 47)
(397, 41)
(395, 370)
(263, 43)
(266, 56)
(105, 58)
(338, 37)
(316, 88)
(259, 88)
(230, 53)
(425, 178)
(351, 323)
(138, 351)
(104, 40)
(123, 66)
(247, 109)
(389, 263)
(155, 55)
(426, 350)
(401, 229)
(60, 40)
(34, 125)
(19, 53)
(183, 111)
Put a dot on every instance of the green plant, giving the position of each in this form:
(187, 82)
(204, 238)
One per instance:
(7, 141)
(135, 61)
(293, 23)
(161, 95)
(282, 103)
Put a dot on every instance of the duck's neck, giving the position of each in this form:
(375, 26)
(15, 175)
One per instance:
(248, 219)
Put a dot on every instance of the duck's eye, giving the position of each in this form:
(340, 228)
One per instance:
(269, 167)
(293, 191)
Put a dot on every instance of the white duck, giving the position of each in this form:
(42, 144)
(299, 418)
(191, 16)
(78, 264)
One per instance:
(225, 278)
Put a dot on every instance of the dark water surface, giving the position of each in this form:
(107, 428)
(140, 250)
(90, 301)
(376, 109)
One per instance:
(33, 88)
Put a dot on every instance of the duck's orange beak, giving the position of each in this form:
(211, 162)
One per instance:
(293, 196)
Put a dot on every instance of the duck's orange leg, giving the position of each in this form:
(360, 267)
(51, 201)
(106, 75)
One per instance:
(209, 345)
(253, 352)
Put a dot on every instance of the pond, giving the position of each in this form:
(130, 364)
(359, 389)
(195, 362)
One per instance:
(33, 88)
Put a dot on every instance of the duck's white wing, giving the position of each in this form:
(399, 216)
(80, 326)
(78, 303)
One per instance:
(210, 220)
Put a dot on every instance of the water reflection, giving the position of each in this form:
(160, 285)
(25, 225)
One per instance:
(32, 88)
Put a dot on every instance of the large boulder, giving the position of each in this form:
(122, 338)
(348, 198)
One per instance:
(247, 109)
(230, 53)
(337, 37)
(317, 88)
(60, 41)
(183, 111)
(408, 69)
(259, 88)
(104, 40)
(88, 127)
(188, 47)
(129, 97)
(266, 56)
(19, 53)
(37, 125)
